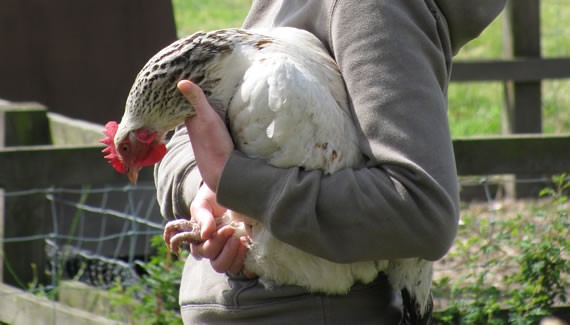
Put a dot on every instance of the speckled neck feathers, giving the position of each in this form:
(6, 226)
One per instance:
(155, 103)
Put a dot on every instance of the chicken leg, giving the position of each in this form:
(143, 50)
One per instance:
(188, 231)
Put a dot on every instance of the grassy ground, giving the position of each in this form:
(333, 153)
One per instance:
(474, 108)
(195, 15)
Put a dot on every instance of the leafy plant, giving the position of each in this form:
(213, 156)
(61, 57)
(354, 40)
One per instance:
(518, 264)
(154, 300)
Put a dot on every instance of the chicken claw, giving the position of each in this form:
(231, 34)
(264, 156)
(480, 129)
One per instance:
(188, 231)
(179, 231)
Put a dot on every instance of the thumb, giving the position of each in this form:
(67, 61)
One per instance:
(205, 210)
(203, 214)
(194, 95)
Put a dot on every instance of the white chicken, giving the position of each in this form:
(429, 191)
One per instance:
(285, 102)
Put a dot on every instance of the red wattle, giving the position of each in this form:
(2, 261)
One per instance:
(155, 154)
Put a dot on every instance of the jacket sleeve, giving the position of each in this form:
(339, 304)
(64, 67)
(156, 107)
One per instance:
(176, 178)
(395, 57)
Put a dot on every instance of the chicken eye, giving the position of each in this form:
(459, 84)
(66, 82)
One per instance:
(125, 148)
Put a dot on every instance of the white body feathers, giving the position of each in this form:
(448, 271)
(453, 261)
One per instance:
(292, 110)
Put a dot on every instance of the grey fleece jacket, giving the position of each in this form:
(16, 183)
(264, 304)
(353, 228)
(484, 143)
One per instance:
(395, 57)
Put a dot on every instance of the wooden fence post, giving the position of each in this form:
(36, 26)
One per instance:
(523, 99)
(23, 124)
(522, 40)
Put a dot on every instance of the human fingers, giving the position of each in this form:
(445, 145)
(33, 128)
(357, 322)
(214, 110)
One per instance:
(231, 257)
(195, 96)
(204, 210)
(239, 260)
(214, 246)
(203, 214)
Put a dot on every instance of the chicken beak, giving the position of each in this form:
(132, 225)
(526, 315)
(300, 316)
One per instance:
(133, 175)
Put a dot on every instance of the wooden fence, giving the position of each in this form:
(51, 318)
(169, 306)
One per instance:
(522, 71)
(38, 151)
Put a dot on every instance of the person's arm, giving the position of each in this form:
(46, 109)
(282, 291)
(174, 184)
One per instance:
(395, 58)
(176, 179)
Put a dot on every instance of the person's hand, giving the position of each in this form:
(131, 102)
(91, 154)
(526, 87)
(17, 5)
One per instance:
(210, 138)
(225, 252)
(212, 145)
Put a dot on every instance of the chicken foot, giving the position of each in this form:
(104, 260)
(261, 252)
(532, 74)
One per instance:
(187, 231)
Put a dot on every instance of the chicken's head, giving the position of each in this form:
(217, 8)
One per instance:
(139, 148)
(154, 105)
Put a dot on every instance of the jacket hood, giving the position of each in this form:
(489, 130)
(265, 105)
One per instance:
(468, 18)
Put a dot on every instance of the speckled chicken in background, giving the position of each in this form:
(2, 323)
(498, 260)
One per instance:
(284, 100)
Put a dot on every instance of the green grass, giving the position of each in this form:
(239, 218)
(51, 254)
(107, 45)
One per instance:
(195, 15)
(474, 107)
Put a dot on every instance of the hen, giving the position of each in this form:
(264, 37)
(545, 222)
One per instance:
(285, 102)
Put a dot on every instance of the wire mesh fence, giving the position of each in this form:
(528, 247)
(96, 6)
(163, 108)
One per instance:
(107, 229)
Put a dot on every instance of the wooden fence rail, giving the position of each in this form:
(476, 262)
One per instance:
(45, 166)
(518, 69)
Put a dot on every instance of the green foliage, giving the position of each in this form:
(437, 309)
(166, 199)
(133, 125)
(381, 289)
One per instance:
(475, 107)
(193, 15)
(518, 264)
(155, 299)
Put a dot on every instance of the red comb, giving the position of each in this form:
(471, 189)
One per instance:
(110, 151)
